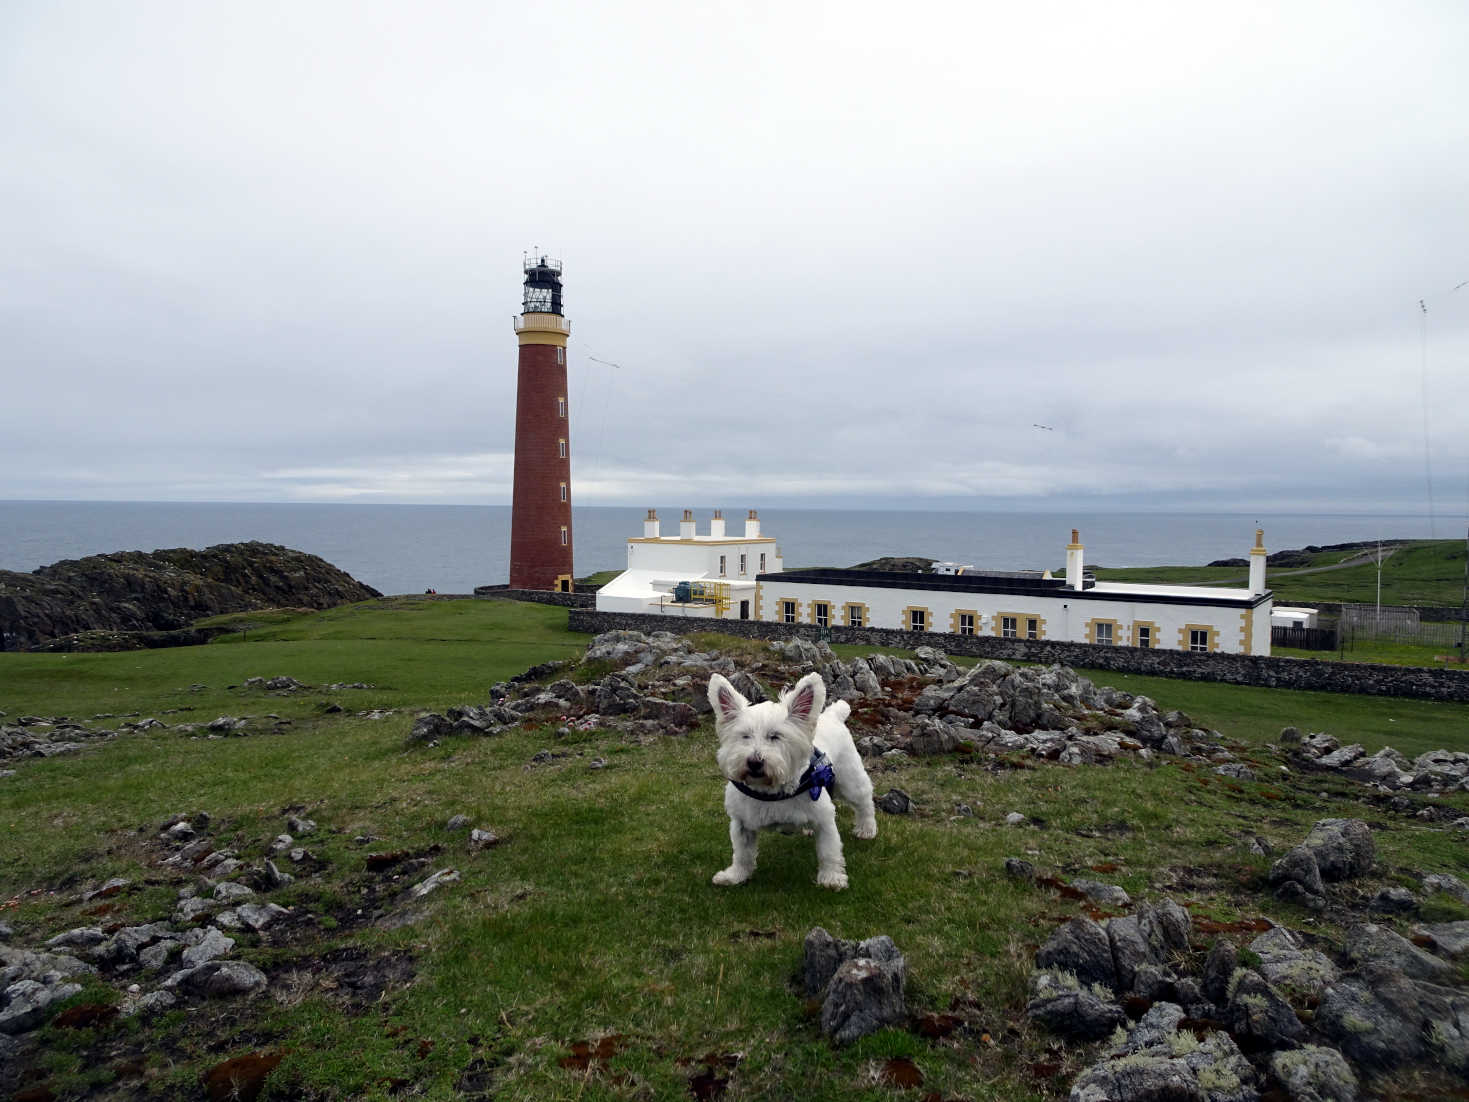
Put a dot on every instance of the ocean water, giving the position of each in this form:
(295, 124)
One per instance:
(453, 548)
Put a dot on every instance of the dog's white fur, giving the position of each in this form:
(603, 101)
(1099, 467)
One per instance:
(767, 747)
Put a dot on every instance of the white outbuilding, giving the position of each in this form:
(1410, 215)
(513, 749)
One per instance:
(710, 575)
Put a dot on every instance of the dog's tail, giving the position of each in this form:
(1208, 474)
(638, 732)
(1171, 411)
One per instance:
(838, 711)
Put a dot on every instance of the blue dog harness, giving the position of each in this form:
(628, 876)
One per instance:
(819, 774)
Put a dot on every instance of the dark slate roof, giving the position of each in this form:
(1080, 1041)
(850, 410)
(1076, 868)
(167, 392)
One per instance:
(1021, 583)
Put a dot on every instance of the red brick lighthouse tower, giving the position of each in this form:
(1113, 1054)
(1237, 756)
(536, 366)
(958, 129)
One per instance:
(540, 513)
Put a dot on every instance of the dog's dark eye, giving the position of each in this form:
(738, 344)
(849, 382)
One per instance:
(774, 737)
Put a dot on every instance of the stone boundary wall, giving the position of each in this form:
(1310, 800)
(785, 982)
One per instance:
(587, 600)
(1234, 669)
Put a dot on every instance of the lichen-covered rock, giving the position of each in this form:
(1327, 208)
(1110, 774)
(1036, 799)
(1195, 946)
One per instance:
(823, 954)
(1312, 1073)
(1373, 944)
(1062, 1004)
(1381, 1019)
(1080, 947)
(1449, 939)
(1157, 1063)
(1295, 970)
(1255, 1010)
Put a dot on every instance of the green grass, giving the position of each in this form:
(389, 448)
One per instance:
(595, 915)
(1421, 572)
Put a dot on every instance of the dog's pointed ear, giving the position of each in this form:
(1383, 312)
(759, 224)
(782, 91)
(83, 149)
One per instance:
(806, 700)
(725, 699)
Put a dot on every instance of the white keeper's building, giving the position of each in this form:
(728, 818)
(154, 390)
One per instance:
(733, 578)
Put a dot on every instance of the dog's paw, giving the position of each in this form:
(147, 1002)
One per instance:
(835, 879)
(730, 876)
(866, 830)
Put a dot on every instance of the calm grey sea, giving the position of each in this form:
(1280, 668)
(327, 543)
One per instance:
(453, 548)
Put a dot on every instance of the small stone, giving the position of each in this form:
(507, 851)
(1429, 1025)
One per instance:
(483, 839)
(1014, 819)
(1017, 869)
(258, 916)
(282, 842)
(895, 802)
(457, 823)
(300, 827)
(443, 876)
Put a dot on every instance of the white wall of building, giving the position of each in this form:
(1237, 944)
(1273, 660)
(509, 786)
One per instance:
(1069, 616)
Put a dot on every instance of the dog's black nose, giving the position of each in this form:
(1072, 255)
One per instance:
(754, 767)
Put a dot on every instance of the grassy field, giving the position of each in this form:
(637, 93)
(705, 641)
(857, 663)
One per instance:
(593, 922)
(1421, 572)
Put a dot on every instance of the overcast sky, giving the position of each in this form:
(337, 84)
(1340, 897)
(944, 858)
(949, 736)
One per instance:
(842, 253)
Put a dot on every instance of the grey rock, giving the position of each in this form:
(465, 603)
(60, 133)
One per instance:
(149, 1005)
(219, 979)
(1344, 756)
(1133, 943)
(1395, 900)
(276, 878)
(433, 883)
(27, 1004)
(822, 954)
(457, 823)
(300, 827)
(1291, 967)
(189, 910)
(1447, 883)
(1450, 939)
(1370, 943)
(1080, 947)
(1299, 867)
(427, 728)
(1174, 1069)
(122, 947)
(227, 891)
(211, 946)
(864, 996)
(1257, 1011)
(1219, 966)
(1238, 770)
(482, 839)
(1071, 1009)
(83, 937)
(157, 955)
(1014, 818)
(1289, 735)
(1108, 895)
(1343, 848)
(1313, 1073)
(257, 916)
(1018, 869)
(895, 802)
(1380, 1019)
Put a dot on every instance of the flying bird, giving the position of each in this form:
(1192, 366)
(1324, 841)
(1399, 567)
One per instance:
(1046, 427)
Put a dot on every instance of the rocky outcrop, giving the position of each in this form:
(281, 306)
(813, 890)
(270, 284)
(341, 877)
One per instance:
(1291, 1012)
(123, 600)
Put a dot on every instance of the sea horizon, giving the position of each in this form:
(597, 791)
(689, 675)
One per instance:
(453, 548)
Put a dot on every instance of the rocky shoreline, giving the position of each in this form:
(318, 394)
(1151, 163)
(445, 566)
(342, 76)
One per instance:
(135, 599)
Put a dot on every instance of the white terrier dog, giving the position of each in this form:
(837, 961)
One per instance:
(783, 762)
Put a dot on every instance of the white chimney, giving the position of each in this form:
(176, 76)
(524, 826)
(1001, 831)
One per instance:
(716, 526)
(686, 526)
(1073, 561)
(752, 526)
(1257, 564)
(650, 526)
